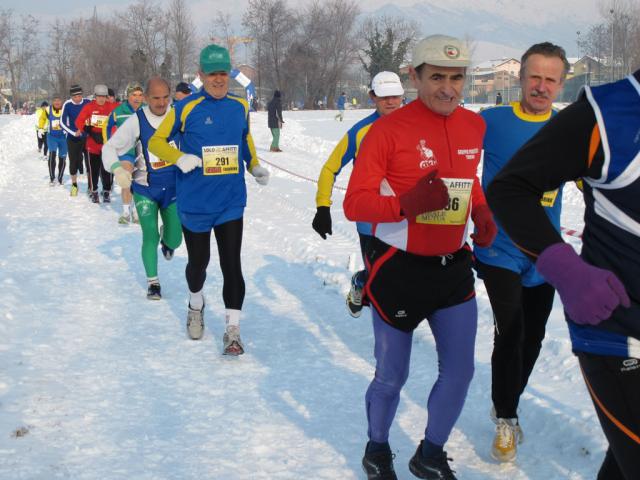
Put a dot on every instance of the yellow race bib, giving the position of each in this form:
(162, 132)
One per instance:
(55, 124)
(155, 162)
(220, 160)
(456, 212)
(98, 121)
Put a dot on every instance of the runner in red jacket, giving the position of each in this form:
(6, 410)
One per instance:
(92, 119)
(415, 180)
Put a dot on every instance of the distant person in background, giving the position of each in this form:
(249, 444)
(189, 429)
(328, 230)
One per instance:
(520, 298)
(275, 121)
(182, 91)
(111, 97)
(41, 128)
(92, 119)
(386, 93)
(76, 138)
(342, 100)
(498, 98)
(56, 141)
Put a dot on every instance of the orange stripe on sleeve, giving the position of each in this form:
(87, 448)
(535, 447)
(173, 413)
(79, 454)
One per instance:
(594, 143)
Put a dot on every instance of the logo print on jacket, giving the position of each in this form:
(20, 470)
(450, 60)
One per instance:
(427, 158)
(208, 121)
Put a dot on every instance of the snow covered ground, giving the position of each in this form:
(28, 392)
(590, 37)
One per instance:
(97, 382)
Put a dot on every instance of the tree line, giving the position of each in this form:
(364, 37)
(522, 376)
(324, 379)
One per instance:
(309, 52)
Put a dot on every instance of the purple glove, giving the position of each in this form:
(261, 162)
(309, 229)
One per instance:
(589, 294)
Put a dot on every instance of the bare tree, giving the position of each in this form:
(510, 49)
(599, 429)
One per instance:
(59, 56)
(329, 33)
(181, 36)
(273, 25)
(146, 24)
(18, 48)
(388, 41)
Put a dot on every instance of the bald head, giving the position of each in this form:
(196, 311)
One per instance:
(158, 92)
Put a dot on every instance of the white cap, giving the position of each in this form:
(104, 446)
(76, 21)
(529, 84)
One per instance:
(387, 84)
(441, 51)
(101, 90)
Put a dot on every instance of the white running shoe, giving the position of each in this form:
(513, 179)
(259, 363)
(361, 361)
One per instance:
(195, 323)
(231, 341)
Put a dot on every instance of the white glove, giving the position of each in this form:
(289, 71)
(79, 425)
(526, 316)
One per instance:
(188, 162)
(261, 174)
(40, 132)
(122, 177)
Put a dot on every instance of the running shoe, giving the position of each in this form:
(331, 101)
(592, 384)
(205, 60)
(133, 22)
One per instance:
(195, 323)
(506, 439)
(74, 191)
(354, 298)
(153, 291)
(431, 468)
(231, 342)
(379, 465)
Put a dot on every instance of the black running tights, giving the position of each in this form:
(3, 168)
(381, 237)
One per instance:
(520, 317)
(229, 240)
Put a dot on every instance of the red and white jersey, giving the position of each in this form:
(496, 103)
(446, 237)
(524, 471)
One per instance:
(96, 116)
(403, 147)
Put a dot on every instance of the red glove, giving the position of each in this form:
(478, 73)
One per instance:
(486, 229)
(429, 194)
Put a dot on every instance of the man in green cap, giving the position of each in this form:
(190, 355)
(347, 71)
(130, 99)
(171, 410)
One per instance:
(215, 149)
(135, 97)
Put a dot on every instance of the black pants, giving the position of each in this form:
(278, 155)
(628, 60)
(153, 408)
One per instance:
(614, 385)
(229, 240)
(97, 170)
(42, 142)
(520, 316)
(76, 154)
(52, 167)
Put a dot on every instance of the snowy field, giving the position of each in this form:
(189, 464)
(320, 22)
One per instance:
(97, 382)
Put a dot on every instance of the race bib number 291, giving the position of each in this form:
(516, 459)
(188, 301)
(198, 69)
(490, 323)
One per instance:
(220, 160)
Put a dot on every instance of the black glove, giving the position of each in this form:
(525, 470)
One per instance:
(322, 222)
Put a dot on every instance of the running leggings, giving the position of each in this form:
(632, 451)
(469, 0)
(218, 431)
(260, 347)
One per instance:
(520, 318)
(76, 154)
(52, 166)
(42, 143)
(614, 386)
(97, 170)
(171, 232)
(454, 331)
(229, 240)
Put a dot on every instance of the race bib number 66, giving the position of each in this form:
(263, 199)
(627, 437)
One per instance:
(455, 213)
(220, 160)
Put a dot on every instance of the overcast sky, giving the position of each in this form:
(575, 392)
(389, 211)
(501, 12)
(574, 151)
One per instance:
(514, 9)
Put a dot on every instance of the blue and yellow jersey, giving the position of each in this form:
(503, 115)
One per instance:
(54, 118)
(508, 129)
(217, 131)
(116, 118)
(346, 151)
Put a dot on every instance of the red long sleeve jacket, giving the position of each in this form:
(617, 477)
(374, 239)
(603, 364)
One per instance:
(96, 116)
(401, 148)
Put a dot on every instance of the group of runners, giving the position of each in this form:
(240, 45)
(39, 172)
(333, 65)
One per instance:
(415, 195)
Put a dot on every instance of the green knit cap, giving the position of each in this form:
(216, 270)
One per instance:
(214, 58)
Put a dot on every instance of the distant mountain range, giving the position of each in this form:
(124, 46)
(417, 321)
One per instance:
(495, 33)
